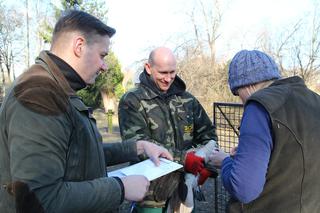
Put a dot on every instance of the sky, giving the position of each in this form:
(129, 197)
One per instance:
(144, 24)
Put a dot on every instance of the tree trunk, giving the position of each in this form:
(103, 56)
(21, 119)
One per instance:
(109, 108)
(28, 40)
(108, 101)
(2, 89)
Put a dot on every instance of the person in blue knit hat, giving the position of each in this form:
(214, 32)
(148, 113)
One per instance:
(276, 166)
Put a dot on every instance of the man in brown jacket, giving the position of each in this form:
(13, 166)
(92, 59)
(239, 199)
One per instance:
(51, 154)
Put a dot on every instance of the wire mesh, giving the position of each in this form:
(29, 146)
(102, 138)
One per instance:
(227, 118)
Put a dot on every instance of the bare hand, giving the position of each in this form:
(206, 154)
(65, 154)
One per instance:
(216, 157)
(153, 151)
(233, 151)
(135, 187)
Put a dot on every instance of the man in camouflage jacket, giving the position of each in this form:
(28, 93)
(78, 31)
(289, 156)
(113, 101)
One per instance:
(161, 110)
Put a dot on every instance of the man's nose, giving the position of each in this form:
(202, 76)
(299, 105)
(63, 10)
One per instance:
(168, 77)
(104, 67)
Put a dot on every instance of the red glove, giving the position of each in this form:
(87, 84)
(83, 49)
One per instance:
(193, 164)
(203, 176)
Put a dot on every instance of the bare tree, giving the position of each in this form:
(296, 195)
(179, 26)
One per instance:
(10, 21)
(308, 56)
(207, 33)
(279, 46)
(206, 79)
(28, 39)
(2, 88)
(297, 49)
(212, 20)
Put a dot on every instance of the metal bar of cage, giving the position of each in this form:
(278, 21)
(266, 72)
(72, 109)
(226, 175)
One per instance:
(226, 118)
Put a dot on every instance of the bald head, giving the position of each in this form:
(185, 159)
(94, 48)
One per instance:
(161, 67)
(161, 55)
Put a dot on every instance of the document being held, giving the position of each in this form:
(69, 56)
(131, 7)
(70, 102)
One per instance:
(148, 169)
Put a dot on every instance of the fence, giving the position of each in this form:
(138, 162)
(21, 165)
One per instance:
(226, 117)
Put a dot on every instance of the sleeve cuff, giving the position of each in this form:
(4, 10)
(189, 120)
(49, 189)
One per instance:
(122, 188)
(226, 161)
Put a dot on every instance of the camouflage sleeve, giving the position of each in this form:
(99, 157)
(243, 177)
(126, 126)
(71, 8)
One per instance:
(132, 119)
(204, 130)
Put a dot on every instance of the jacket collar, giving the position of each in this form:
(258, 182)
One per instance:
(73, 78)
(177, 87)
(49, 65)
(292, 80)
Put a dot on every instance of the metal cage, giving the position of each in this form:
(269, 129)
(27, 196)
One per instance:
(226, 118)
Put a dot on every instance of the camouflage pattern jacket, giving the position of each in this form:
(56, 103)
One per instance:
(50, 145)
(175, 119)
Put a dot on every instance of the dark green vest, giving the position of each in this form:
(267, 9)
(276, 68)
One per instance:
(293, 177)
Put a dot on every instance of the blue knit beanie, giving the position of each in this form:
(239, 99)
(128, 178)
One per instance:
(250, 67)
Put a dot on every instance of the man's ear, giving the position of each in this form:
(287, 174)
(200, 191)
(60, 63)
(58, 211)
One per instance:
(147, 66)
(78, 45)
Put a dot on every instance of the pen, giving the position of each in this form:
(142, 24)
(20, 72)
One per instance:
(133, 205)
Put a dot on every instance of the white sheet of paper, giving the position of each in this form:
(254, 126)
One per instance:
(148, 169)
